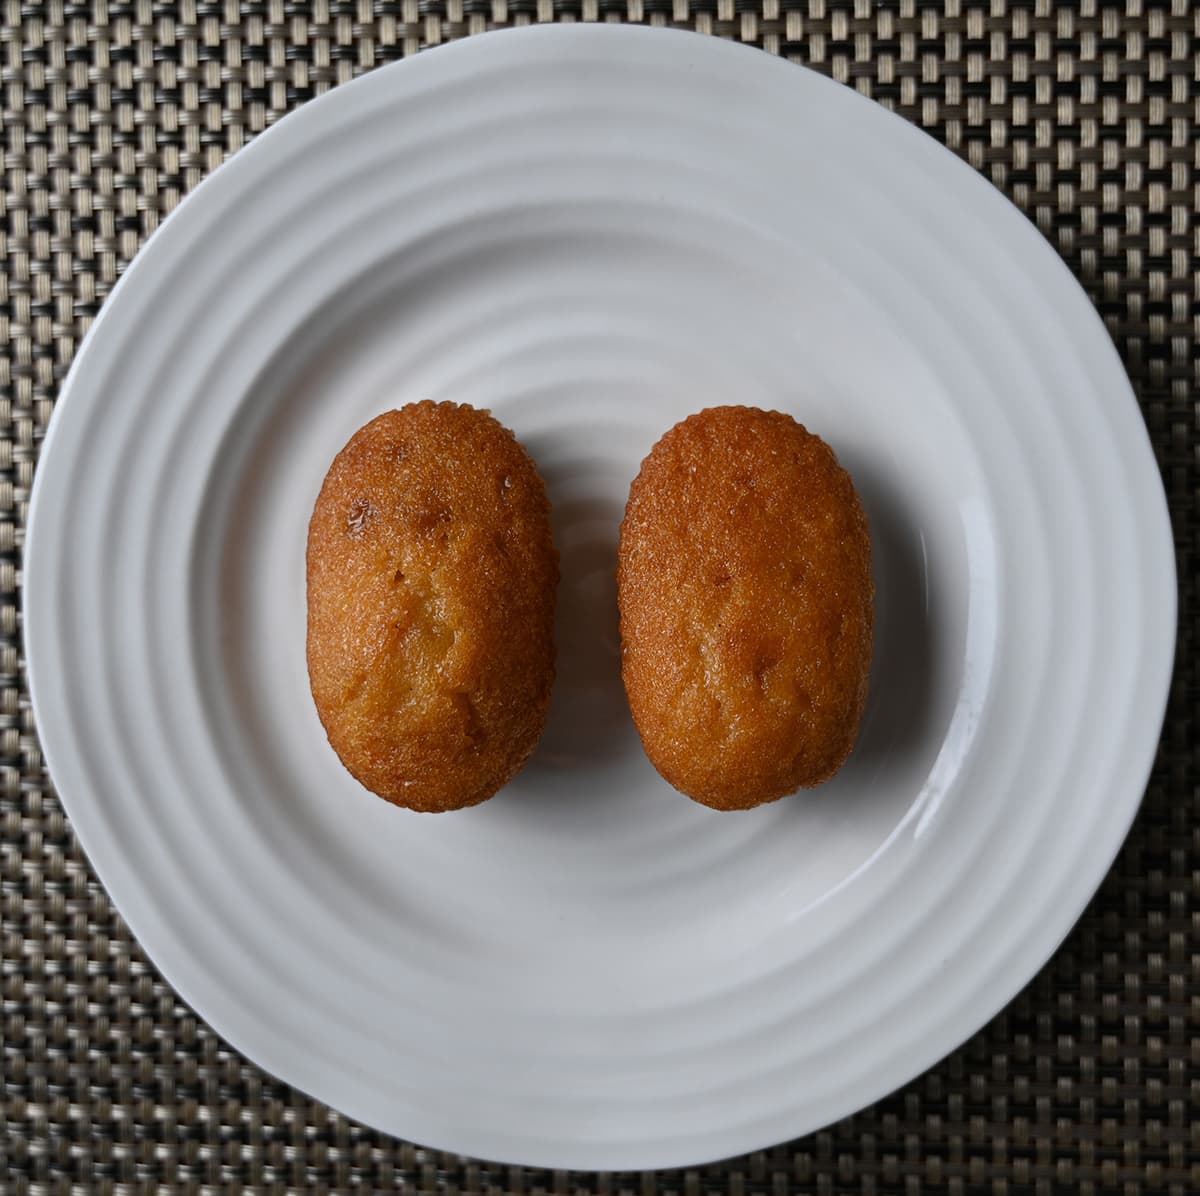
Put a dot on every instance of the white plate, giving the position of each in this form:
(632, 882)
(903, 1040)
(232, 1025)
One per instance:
(594, 231)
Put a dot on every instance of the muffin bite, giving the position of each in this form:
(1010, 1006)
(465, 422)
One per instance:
(431, 591)
(746, 603)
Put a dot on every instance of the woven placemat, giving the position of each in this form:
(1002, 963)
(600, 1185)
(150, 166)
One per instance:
(1086, 115)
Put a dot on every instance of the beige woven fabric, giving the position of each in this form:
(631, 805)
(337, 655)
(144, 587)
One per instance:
(1086, 115)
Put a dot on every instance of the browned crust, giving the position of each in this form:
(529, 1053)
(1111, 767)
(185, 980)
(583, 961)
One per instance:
(746, 599)
(431, 589)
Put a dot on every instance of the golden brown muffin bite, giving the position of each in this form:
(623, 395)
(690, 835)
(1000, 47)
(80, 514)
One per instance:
(431, 589)
(746, 599)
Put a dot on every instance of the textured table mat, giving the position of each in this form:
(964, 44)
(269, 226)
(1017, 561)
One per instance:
(1085, 115)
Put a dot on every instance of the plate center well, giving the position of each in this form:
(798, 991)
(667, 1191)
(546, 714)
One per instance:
(589, 361)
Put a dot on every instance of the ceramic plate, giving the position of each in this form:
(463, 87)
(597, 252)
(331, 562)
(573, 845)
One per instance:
(593, 232)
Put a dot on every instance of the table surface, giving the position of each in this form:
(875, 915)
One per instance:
(1086, 115)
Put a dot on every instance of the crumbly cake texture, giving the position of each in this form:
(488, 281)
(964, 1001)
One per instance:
(746, 603)
(431, 590)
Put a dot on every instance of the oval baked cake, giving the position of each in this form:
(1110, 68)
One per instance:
(746, 603)
(431, 592)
